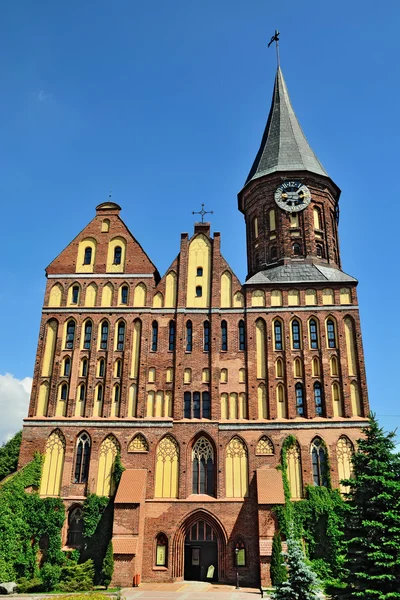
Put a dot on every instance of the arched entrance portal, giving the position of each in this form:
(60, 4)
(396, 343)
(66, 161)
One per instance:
(199, 543)
(201, 553)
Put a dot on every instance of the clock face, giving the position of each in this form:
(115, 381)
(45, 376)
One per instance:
(292, 196)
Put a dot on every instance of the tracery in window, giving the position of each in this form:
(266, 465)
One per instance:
(138, 444)
(167, 468)
(203, 467)
(264, 446)
(82, 459)
(236, 471)
(318, 459)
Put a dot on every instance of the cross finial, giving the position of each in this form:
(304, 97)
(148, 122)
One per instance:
(109, 195)
(202, 212)
(275, 38)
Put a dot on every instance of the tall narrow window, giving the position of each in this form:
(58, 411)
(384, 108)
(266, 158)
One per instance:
(67, 367)
(242, 335)
(313, 334)
(88, 335)
(236, 469)
(104, 335)
(87, 259)
(330, 326)
(196, 405)
(124, 294)
(84, 367)
(69, 342)
(296, 249)
(206, 405)
(318, 463)
(82, 391)
(102, 365)
(274, 253)
(199, 291)
(189, 336)
(224, 336)
(206, 336)
(199, 272)
(203, 467)
(121, 335)
(64, 391)
(117, 255)
(82, 459)
(187, 405)
(171, 343)
(118, 368)
(279, 368)
(299, 400)
(154, 336)
(75, 537)
(278, 335)
(75, 294)
(240, 553)
(296, 334)
(320, 251)
(255, 227)
(161, 550)
(318, 399)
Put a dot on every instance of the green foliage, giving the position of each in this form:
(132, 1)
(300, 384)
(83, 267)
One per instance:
(302, 582)
(93, 508)
(108, 565)
(278, 568)
(77, 578)
(372, 517)
(9, 453)
(118, 469)
(50, 576)
(288, 443)
(29, 585)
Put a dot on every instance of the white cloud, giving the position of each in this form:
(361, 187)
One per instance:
(14, 402)
(43, 96)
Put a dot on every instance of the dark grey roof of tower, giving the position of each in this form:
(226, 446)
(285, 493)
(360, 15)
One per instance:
(284, 146)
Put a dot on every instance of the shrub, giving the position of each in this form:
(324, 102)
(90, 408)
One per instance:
(77, 578)
(108, 566)
(278, 567)
(50, 575)
(29, 585)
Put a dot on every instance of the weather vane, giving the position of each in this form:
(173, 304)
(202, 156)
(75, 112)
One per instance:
(275, 38)
(202, 212)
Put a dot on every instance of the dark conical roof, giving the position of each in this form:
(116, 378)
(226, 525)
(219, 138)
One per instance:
(283, 146)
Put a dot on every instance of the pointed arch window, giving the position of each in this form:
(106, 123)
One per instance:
(315, 367)
(124, 294)
(82, 459)
(87, 259)
(279, 368)
(240, 553)
(296, 249)
(121, 336)
(118, 368)
(330, 326)
(64, 391)
(154, 336)
(84, 367)
(102, 365)
(206, 336)
(88, 335)
(117, 255)
(278, 335)
(167, 468)
(99, 393)
(69, 342)
(314, 334)
(67, 367)
(224, 336)
(236, 469)
(203, 467)
(161, 550)
(296, 334)
(319, 409)
(104, 335)
(319, 466)
(75, 528)
(242, 335)
(320, 251)
(189, 336)
(75, 294)
(172, 336)
(299, 400)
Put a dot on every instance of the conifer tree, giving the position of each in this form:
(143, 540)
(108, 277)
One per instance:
(278, 568)
(9, 453)
(302, 582)
(108, 565)
(372, 519)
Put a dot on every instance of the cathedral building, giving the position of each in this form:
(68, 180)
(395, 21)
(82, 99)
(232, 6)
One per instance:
(196, 379)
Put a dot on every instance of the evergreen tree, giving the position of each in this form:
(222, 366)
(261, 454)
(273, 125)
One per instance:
(372, 519)
(278, 568)
(9, 453)
(302, 582)
(108, 565)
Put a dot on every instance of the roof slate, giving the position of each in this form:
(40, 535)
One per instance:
(131, 486)
(270, 487)
(299, 273)
(284, 146)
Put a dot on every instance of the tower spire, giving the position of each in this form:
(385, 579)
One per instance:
(284, 146)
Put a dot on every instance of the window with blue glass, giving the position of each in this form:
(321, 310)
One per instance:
(299, 400)
(278, 335)
(64, 391)
(296, 334)
(172, 336)
(67, 366)
(224, 336)
(313, 334)
(104, 335)
(75, 294)
(102, 365)
(69, 342)
(319, 410)
(124, 295)
(319, 466)
(189, 336)
(88, 335)
(117, 255)
(206, 336)
(121, 336)
(199, 291)
(154, 336)
(331, 334)
(242, 336)
(196, 405)
(87, 259)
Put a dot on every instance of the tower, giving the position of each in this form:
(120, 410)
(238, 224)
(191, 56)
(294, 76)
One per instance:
(196, 380)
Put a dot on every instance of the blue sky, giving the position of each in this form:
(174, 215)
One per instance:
(165, 103)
